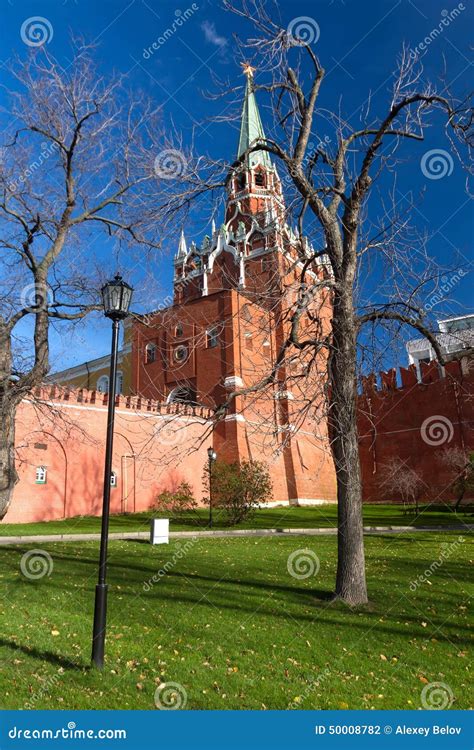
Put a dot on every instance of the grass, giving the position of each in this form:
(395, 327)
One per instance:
(270, 518)
(230, 624)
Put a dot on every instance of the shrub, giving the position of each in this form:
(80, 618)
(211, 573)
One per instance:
(400, 479)
(176, 503)
(239, 489)
(460, 463)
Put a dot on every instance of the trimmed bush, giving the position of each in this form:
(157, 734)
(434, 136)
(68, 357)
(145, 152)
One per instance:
(176, 503)
(238, 489)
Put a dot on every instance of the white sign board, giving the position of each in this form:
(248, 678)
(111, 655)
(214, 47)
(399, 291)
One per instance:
(160, 531)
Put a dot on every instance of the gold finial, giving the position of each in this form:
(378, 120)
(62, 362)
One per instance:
(247, 69)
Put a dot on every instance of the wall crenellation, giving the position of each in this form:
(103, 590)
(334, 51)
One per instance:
(396, 379)
(61, 394)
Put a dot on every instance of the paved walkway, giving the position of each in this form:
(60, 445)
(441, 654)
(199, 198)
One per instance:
(130, 535)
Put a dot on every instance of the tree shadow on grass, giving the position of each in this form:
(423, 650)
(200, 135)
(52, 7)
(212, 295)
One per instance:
(54, 659)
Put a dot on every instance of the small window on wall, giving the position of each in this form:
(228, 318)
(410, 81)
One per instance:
(103, 384)
(113, 479)
(178, 331)
(260, 179)
(119, 382)
(241, 181)
(212, 337)
(41, 474)
(150, 354)
(248, 341)
(183, 394)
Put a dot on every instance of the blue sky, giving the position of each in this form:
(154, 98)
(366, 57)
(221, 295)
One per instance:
(358, 44)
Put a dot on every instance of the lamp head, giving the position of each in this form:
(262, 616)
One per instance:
(116, 298)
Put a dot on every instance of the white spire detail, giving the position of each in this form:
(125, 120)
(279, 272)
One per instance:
(182, 249)
(242, 272)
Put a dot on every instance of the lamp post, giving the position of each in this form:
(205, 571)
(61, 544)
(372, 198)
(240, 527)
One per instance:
(212, 455)
(116, 297)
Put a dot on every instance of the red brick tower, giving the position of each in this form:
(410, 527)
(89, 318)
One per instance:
(229, 320)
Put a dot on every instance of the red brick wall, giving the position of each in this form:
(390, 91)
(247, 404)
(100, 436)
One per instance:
(152, 452)
(415, 422)
(157, 446)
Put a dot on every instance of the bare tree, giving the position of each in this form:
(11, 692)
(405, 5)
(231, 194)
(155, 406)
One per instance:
(78, 186)
(331, 187)
(402, 482)
(460, 463)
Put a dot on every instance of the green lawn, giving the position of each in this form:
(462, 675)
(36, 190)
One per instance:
(270, 518)
(229, 624)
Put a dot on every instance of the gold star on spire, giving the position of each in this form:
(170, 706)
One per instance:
(247, 69)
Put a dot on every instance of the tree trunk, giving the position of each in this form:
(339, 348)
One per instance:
(462, 492)
(8, 475)
(350, 580)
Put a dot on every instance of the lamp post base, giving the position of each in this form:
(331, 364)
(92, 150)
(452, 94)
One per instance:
(98, 637)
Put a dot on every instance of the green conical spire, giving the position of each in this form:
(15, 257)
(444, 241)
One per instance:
(251, 127)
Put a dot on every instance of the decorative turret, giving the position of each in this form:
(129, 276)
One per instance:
(251, 128)
(254, 246)
(182, 253)
(254, 188)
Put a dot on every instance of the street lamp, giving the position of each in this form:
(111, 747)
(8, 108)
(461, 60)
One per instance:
(116, 297)
(212, 455)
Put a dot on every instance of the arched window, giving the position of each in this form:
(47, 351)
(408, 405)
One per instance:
(241, 181)
(212, 335)
(178, 331)
(150, 353)
(183, 394)
(103, 384)
(260, 179)
(119, 382)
